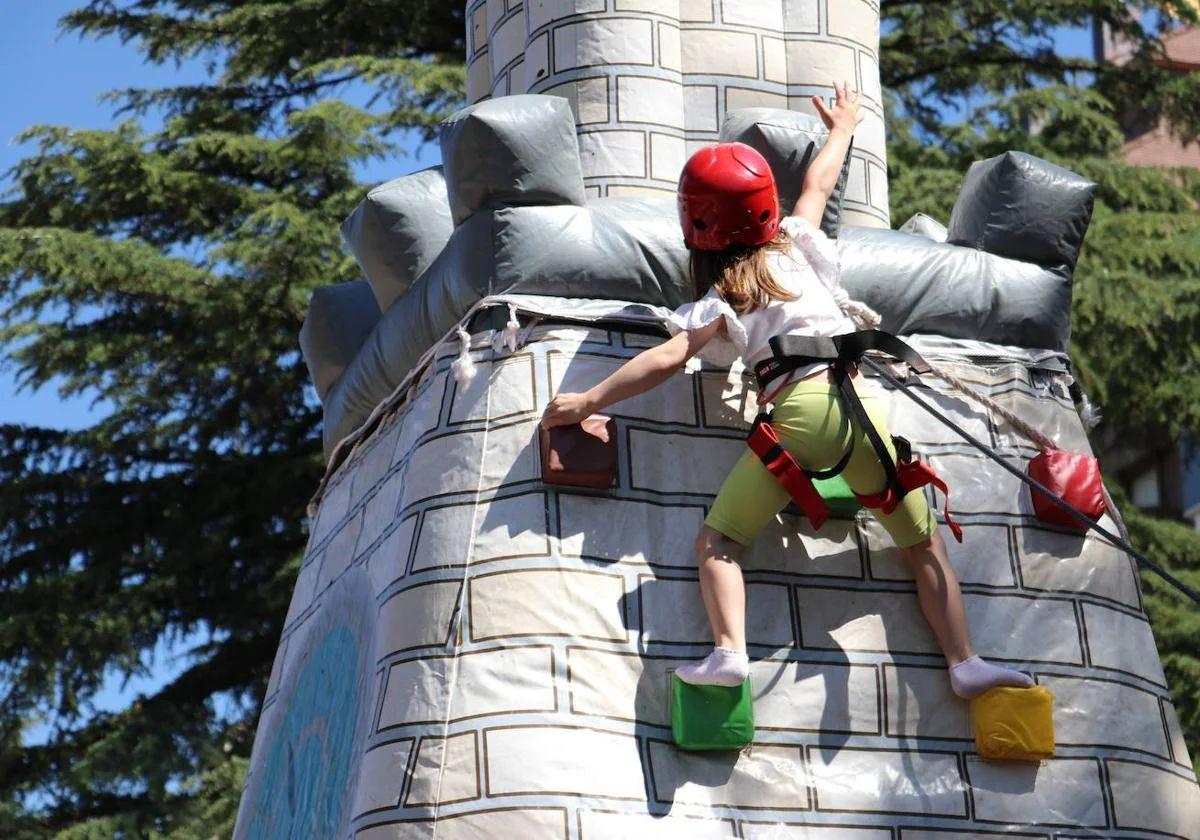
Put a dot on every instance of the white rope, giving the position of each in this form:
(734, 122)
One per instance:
(1013, 420)
(510, 336)
(1089, 414)
(455, 639)
(863, 316)
(464, 365)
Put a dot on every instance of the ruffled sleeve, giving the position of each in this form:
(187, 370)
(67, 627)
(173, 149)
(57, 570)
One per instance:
(818, 250)
(724, 348)
(811, 245)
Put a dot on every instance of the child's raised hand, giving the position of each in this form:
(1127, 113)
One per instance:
(565, 409)
(846, 113)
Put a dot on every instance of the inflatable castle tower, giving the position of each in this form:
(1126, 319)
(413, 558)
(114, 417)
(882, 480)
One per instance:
(472, 653)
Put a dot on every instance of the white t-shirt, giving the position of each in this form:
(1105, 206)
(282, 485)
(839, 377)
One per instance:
(810, 270)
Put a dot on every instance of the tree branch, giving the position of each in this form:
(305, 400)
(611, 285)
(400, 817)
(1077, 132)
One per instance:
(930, 70)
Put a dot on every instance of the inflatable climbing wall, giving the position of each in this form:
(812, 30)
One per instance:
(651, 80)
(471, 653)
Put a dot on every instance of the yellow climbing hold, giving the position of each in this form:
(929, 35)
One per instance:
(1014, 723)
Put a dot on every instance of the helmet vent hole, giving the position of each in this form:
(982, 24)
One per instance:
(766, 214)
(699, 224)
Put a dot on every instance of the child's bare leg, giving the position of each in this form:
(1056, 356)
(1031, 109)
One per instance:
(940, 597)
(722, 587)
(942, 605)
(724, 594)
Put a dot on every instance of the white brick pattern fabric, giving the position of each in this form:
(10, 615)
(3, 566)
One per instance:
(651, 80)
(521, 637)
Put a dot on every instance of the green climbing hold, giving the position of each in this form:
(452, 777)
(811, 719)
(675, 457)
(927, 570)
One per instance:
(837, 494)
(711, 717)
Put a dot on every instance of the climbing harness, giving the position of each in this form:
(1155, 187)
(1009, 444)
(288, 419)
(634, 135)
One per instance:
(903, 474)
(1075, 476)
(797, 481)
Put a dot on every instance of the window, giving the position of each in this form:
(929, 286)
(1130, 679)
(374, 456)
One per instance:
(1145, 489)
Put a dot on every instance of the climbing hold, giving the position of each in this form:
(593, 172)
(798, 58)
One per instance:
(582, 454)
(1014, 723)
(837, 494)
(711, 717)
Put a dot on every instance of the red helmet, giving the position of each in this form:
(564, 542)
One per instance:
(727, 197)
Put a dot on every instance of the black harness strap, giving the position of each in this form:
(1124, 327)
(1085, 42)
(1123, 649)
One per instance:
(816, 475)
(792, 352)
(835, 470)
(850, 398)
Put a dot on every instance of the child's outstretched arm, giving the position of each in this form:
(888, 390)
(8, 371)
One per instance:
(823, 172)
(641, 373)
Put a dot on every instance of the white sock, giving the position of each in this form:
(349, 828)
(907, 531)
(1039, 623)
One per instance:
(724, 666)
(973, 676)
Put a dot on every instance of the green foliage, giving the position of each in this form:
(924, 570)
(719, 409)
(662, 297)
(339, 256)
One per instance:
(208, 804)
(166, 272)
(1175, 620)
(951, 55)
(1137, 315)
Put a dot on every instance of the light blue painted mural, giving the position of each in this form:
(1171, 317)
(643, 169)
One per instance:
(306, 773)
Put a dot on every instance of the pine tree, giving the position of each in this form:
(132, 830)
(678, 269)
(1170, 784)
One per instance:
(1136, 320)
(166, 272)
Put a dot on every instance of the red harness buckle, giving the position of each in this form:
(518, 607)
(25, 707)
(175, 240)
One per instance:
(764, 442)
(911, 475)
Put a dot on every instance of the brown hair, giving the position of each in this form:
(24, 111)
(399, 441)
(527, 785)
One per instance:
(740, 275)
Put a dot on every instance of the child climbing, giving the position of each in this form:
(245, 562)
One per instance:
(757, 276)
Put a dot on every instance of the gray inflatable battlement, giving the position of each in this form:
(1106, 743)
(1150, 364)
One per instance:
(340, 319)
(511, 191)
(1020, 206)
(511, 152)
(398, 230)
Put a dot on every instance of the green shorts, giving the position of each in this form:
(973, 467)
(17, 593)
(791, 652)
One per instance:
(811, 425)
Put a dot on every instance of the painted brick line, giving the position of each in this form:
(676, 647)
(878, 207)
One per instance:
(694, 61)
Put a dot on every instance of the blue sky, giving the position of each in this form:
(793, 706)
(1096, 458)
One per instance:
(71, 74)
